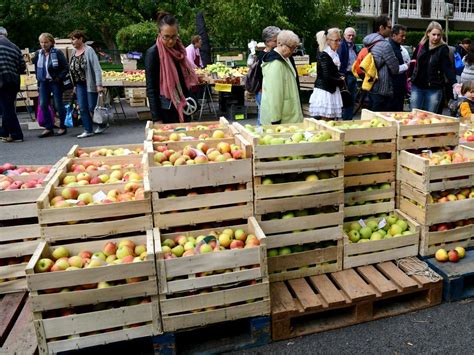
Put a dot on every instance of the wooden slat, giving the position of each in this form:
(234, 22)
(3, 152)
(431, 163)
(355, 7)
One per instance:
(401, 279)
(309, 300)
(353, 285)
(22, 339)
(9, 306)
(329, 293)
(377, 280)
(282, 300)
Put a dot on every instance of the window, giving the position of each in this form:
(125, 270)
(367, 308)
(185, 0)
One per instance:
(362, 29)
(464, 6)
(408, 4)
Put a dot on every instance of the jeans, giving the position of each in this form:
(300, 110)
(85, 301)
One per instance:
(45, 90)
(379, 103)
(10, 125)
(87, 102)
(351, 83)
(258, 99)
(425, 99)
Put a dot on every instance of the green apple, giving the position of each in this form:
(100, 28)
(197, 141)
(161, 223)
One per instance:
(395, 229)
(284, 251)
(272, 253)
(297, 249)
(392, 219)
(355, 226)
(178, 250)
(267, 181)
(376, 236)
(354, 236)
(60, 252)
(372, 224)
(365, 232)
(402, 224)
(288, 215)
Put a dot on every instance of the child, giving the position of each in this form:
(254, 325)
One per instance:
(466, 108)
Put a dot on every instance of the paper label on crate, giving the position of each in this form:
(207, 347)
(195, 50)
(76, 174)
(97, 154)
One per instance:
(427, 151)
(197, 152)
(362, 223)
(74, 202)
(259, 130)
(206, 240)
(127, 151)
(382, 223)
(308, 135)
(99, 196)
(188, 138)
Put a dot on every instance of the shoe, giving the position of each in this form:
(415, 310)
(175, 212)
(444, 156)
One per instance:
(100, 130)
(11, 140)
(61, 132)
(85, 134)
(46, 134)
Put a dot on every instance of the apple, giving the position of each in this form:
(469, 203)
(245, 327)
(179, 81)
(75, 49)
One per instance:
(128, 259)
(85, 197)
(83, 177)
(60, 265)
(111, 258)
(354, 236)
(236, 244)
(44, 265)
(55, 200)
(218, 134)
(76, 261)
(124, 251)
(85, 254)
(103, 284)
(69, 193)
(441, 255)
(240, 234)
(453, 256)
(69, 179)
(225, 240)
(461, 252)
(128, 243)
(177, 250)
(284, 251)
(60, 252)
(140, 249)
(110, 248)
(205, 248)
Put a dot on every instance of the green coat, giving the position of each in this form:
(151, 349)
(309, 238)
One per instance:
(280, 96)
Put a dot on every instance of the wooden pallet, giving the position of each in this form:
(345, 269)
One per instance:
(319, 303)
(92, 220)
(376, 251)
(458, 278)
(216, 339)
(417, 172)
(425, 136)
(17, 333)
(86, 315)
(242, 291)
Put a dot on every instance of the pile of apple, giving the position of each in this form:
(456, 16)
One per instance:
(417, 118)
(468, 135)
(71, 197)
(129, 75)
(13, 170)
(453, 255)
(182, 136)
(444, 157)
(116, 176)
(7, 183)
(279, 129)
(442, 227)
(214, 241)
(202, 154)
(298, 137)
(313, 176)
(100, 166)
(105, 152)
(373, 123)
(370, 157)
(299, 248)
(171, 128)
(453, 195)
(372, 229)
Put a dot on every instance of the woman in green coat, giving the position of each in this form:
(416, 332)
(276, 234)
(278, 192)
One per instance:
(280, 95)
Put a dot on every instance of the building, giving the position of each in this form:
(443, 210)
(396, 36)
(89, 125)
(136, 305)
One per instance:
(415, 14)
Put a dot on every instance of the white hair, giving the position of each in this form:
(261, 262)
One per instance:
(288, 38)
(349, 29)
(322, 37)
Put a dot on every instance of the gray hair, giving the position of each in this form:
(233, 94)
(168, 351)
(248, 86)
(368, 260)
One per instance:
(269, 33)
(349, 29)
(3, 31)
(288, 38)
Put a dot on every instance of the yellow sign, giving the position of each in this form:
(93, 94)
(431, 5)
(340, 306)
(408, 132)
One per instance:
(223, 87)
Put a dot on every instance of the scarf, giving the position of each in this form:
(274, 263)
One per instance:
(42, 63)
(170, 86)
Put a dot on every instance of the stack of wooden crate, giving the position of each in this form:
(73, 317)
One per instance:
(136, 96)
(19, 229)
(298, 197)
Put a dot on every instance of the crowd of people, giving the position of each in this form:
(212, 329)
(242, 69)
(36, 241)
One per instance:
(429, 75)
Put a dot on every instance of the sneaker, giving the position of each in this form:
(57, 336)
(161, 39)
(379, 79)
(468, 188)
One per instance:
(85, 134)
(100, 130)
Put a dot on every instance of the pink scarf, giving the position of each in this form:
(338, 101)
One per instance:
(170, 87)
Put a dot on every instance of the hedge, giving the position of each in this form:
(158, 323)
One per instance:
(138, 37)
(414, 37)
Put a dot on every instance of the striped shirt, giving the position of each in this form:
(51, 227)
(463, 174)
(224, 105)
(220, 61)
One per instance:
(11, 63)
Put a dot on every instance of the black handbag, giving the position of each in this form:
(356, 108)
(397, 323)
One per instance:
(67, 82)
(346, 97)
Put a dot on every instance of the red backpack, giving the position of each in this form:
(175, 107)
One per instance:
(356, 69)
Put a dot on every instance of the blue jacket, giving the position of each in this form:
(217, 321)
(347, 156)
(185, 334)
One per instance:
(343, 53)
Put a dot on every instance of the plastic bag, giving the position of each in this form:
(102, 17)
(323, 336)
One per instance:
(72, 114)
(102, 112)
(40, 117)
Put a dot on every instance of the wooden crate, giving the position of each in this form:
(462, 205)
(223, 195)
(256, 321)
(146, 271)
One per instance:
(463, 128)
(242, 291)
(152, 135)
(129, 149)
(136, 93)
(425, 136)
(325, 302)
(376, 251)
(93, 316)
(376, 201)
(137, 102)
(186, 126)
(431, 241)
(417, 172)
(200, 175)
(92, 220)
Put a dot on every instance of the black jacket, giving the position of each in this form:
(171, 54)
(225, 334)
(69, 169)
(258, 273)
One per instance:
(12, 64)
(328, 78)
(59, 73)
(152, 74)
(432, 67)
(400, 79)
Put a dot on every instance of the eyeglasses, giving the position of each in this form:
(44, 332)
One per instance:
(292, 49)
(334, 40)
(169, 38)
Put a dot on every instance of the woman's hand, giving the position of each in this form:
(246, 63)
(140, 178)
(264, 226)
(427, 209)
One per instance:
(100, 88)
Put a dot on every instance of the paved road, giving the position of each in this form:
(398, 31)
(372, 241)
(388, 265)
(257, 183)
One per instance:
(446, 329)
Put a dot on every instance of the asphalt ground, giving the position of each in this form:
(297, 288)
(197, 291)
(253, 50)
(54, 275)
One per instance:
(444, 329)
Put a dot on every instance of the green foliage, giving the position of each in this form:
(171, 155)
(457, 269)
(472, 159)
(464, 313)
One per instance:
(414, 37)
(138, 37)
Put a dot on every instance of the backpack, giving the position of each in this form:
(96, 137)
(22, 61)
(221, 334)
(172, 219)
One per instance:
(458, 63)
(356, 69)
(252, 79)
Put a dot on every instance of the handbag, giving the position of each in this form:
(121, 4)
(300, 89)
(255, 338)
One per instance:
(346, 97)
(102, 112)
(67, 82)
(40, 117)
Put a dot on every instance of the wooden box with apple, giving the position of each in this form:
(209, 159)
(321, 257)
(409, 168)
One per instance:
(446, 217)
(20, 186)
(106, 151)
(437, 170)
(93, 293)
(370, 164)
(212, 276)
(94, 210)
(376, 240)
(466, 134)
(420, 129)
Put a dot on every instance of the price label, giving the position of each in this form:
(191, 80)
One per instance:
(99, 196)
(259, 130)
(197, 152)
(362, 223)
(75, 202)
(223, 87)
(127, 151)
(308, 135)
(382, 223)
(429, 152)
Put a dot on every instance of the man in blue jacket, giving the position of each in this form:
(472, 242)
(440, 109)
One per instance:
(347, 55)
(11, 66)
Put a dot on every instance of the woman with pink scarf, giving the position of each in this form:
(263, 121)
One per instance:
(169, 75)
